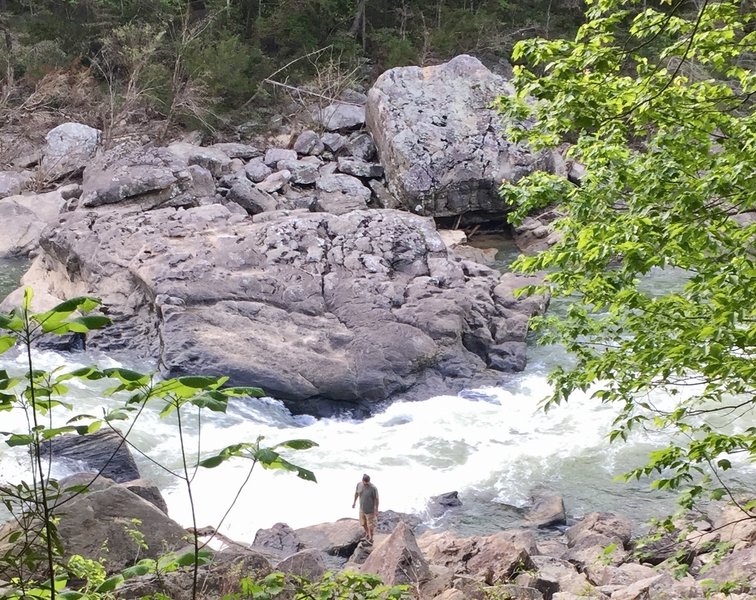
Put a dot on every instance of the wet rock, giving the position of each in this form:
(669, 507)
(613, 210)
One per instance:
(547, 511)
(102, 452)
(438, 505)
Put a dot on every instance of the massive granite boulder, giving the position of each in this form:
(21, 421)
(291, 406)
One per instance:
(314, 308)
(442, 145)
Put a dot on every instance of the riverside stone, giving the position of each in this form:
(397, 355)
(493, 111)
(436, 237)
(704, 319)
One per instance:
(359, 168)
(339, 116)
(308, 142)
(257, 170)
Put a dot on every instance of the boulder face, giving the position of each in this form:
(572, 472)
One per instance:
(442, 146)
(69, 148)
(351, 308)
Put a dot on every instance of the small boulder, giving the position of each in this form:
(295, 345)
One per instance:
(256, 170)
(250, 197)
(306, 563)
(13, 182)
(274, 155)
(361, 146)
(211, 158)
(308, 142)
(275, 181)
(359, 168)
(280, 538)
(339, 116)
(68, 149)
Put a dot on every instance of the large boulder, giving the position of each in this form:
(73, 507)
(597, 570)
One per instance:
(442, 145)
(315, 308)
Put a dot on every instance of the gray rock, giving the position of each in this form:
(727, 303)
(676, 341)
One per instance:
(547, 511)
(273, 155)
(257, 170)
(237, 150)
(344, 184)
(275, 181)
(359, 168)
(442, 146)
(13, 182)
(203, 184)
(302, 172)
(308, 142)
(251, 198)
(93, 519)
(339, 116)
(148, 177)
(361, 146)
(211, 158)
(333, 141)
(328, 312)
(24, 218)
(306, 563)
(382, 197)
(68, 149)
(149, 491)
(280, 539)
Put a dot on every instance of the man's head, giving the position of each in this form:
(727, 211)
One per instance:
(366, 478)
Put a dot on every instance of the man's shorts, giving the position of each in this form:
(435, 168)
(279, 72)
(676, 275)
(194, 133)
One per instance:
(368, 521)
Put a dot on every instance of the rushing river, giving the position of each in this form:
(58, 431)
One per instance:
(493, 445)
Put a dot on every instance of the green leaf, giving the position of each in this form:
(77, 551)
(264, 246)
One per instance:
(297, 444)
(110, 584)
(6, 342)
(136, 571)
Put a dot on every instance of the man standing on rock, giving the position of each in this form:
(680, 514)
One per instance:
(368, 495)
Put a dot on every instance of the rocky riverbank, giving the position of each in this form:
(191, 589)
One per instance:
(549, 556)
(315, 271)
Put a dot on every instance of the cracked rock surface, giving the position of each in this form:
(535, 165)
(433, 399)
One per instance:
(325, 311)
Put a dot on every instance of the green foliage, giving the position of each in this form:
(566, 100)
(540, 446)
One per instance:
(658, 107)
(32, 549)
(332, 586)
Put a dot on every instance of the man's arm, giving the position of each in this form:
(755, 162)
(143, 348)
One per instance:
(356, 495)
